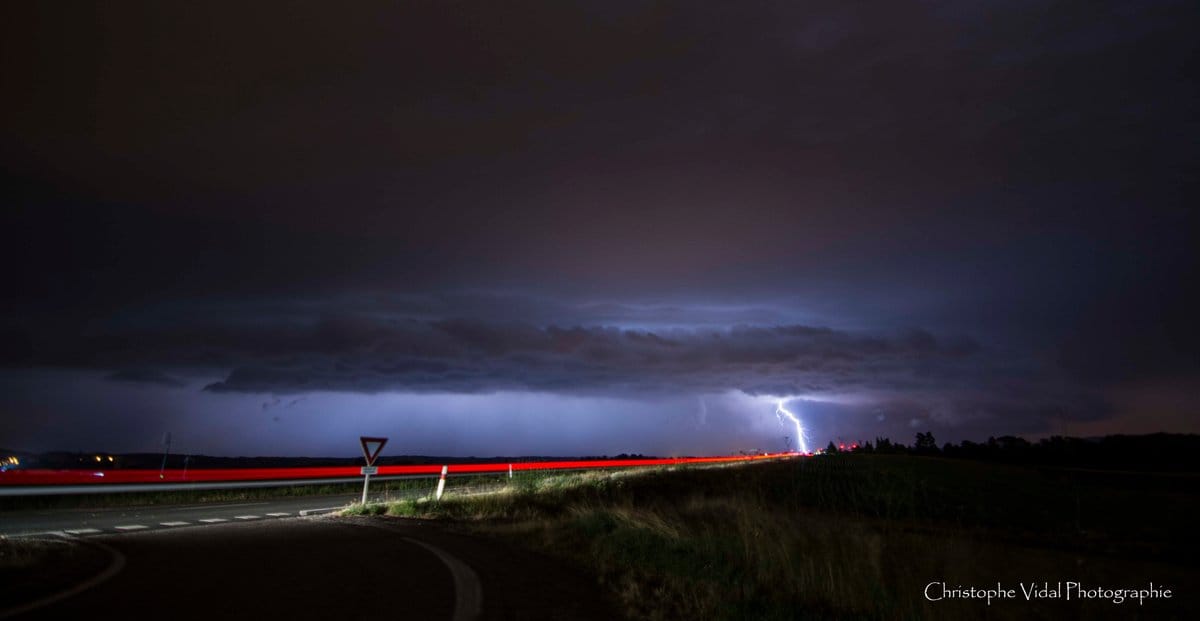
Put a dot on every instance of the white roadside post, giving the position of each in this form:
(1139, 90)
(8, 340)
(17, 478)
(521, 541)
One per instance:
(442, 482)
(371, 448)
(167, 444)
(510, 471)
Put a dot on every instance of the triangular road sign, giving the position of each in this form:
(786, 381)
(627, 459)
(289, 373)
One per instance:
(371, 448)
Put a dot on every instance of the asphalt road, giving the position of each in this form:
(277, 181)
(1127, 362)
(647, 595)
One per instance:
(86, 522)
(324, 567)
(93, 521)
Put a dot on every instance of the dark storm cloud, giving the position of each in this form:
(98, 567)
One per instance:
(470, 356)
(291, 346)
(312, 347)
(649, 197)
(911, 377)
(146, 376)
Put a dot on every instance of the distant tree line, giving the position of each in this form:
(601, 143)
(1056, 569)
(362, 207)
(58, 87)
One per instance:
(1157, 451)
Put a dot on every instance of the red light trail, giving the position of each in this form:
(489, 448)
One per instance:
(150, 477)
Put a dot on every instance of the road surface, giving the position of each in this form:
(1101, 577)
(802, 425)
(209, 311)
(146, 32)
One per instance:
(324, 567)
(93, 521)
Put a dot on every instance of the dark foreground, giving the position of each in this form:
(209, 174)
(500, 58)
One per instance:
(305, 568)
(845, 537)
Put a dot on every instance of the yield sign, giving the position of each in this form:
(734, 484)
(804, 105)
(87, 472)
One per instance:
(371, 448)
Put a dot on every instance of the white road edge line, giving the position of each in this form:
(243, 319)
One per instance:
(114, 567)
(83, 531)
(278, 514)
(175, 523)
(247, 517)
(468, 593)
(127, 527)
(214, 520)
(42, 533)
(217, 506)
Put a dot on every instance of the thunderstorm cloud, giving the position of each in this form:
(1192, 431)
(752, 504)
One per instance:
(969, 217)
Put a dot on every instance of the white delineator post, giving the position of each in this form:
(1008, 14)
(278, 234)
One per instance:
(442, 482)
(510, 471)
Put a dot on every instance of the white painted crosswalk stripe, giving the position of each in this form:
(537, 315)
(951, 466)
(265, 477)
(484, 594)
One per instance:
(278, 514)
(214, 520)
(82, 531)
(247, 517)
(174, 523)
(131, 527)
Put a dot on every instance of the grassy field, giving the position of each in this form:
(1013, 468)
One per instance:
(852, 536)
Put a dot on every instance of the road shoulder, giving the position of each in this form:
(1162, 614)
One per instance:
(40, 570)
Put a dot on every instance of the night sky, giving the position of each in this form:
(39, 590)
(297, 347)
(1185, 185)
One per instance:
(485, 228)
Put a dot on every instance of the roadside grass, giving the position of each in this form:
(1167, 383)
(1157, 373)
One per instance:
(834, 537)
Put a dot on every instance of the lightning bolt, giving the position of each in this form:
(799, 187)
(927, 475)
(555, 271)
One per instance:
(782, 412)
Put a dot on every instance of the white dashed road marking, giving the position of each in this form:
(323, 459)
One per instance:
(177, 523)
(308, 512)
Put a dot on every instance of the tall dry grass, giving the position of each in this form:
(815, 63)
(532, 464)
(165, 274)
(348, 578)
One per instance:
(844, 537)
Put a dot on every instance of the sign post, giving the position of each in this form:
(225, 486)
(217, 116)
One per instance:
(371, 447)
